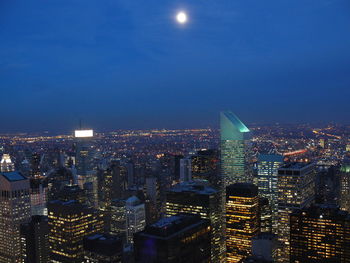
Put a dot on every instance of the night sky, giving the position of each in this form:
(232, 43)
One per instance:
(127, 63)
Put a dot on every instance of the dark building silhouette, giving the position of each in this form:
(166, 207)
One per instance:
(175, 239)
(103, 248)
(205, 166)
(35, 240)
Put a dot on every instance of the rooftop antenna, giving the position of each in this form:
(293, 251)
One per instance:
(80, 121)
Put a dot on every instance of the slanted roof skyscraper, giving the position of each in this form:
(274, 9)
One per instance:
(233, 134)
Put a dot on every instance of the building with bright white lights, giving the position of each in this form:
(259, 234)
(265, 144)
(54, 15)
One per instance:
(6, 165)
(296, 190)
(268, 165)
(135, 217)
(14, 211)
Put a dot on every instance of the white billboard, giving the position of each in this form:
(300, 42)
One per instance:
(83, 133)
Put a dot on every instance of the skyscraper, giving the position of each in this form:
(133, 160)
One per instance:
(268, 165)
(242, 220)
(69, 222)
(345, 186)
(296, 190)
(185, 169)
(206, 166)
(118, 218)
(135, 217)
(35, 240)
(175, 239)
(38, 195)
(14, 211)
(84, 151)
(233, 134)
(320, 234)
(6, 164)
(194, 198)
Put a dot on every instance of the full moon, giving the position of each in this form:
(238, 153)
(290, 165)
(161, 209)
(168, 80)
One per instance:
(181, 17)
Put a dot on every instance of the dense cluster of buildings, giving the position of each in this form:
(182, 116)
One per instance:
(247, 196)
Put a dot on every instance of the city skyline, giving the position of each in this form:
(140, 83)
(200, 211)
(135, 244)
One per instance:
(117, 64)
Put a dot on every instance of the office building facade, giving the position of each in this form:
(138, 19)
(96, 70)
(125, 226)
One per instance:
(242, 220)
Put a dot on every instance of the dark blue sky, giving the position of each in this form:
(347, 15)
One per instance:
(127, 64)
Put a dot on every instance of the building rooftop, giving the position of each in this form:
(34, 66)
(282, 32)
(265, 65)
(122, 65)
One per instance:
(13, 176)
(295, 166)
(242, 190)
(323, 211)
(103, 244)
(193, 187)
(170, 226)
(235, 121)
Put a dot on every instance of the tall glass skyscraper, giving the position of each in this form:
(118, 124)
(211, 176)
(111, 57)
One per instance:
(268, 165)
(233, 134)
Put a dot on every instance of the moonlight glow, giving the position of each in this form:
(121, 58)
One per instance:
(181, 17)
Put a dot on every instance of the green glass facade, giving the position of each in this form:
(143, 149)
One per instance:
(233, 134)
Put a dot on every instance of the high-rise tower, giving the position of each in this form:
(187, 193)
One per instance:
(69, 222)
(268, 165)
(233, 134)
(14, 211)
(345, 186)
(242, 220)
(193, 198)
(296, 190)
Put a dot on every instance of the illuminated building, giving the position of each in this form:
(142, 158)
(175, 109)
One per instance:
(6, 165)
(69, 222)
(197, 199)
(84, 151)
(104, 248)
(242, 220)
(14, 211)
(135, 217)
(296, 190)
(35, 240)
(345, 186)
(175, 239)
(118, 218)
(320, 234)
(268, 165)
(233, 134)
(185, 169)
(38, 195)
(265, 215)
